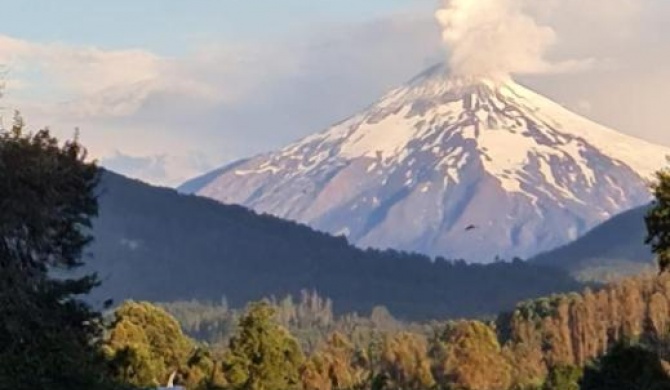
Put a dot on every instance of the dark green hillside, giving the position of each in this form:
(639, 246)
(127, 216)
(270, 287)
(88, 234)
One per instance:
(614, 249)
(156, 244)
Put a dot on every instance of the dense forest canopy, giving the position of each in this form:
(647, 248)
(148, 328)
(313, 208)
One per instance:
(156, 244)
(616, 335)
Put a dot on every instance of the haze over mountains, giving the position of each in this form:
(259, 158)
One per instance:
(155, 244)
(611, 250)
(460, 167)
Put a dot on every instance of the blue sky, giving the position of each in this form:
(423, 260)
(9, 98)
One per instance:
(170, 27)
(164, 90)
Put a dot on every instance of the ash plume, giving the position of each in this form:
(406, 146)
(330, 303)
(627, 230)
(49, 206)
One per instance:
(497, 38)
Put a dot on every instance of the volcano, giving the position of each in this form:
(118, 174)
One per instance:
(463, 168)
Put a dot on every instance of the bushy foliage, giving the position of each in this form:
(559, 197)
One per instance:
(262, 355)
(48, 337)
(405, 362)
(145, 345)
(658, 220)
(563, 377)
(47, 202)
(523, 351)
(311, 319)
(336, 365)
(540, 344)
(627, 367)
(467, 355)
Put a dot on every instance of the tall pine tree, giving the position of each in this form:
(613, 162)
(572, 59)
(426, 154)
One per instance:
(47, 199)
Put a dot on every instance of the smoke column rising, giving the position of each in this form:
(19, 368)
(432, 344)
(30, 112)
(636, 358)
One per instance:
(496, 38)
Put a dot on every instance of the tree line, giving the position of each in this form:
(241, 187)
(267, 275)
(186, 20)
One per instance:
(615, 337)
(158, 245)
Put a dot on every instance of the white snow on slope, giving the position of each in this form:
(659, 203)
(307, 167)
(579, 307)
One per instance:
(439, 154)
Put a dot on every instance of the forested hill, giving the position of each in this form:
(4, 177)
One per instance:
(156, 244)
(614, 249)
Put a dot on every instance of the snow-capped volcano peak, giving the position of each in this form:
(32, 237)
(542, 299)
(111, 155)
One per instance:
(443, 153)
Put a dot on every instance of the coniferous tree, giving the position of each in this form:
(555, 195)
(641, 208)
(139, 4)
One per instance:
(48, 337)
(658, 220)
(262, 355)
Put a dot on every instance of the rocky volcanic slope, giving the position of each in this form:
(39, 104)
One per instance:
(460, 168)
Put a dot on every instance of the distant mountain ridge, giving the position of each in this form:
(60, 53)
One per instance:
(156, 244)
(613, 249)
(455, 167)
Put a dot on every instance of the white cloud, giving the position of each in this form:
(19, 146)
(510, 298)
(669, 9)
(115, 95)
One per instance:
(78, 70)
(223, 101)
(630, 91)
(164, 168)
